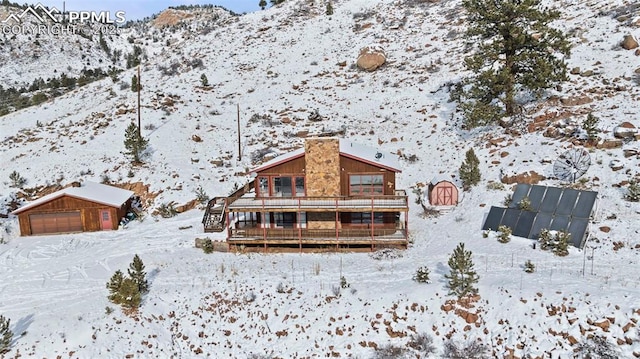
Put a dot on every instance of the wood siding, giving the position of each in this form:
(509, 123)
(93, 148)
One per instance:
(295, 166)
(89, 213)
(351, 166)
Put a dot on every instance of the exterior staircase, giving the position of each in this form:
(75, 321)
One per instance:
(215, 218)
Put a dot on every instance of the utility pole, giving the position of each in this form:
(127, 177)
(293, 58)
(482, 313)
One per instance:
(139, 86)
(239, 147)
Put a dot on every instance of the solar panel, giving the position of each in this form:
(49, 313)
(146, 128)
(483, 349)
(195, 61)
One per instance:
(510, 217)
(519, 193)
(585, 203)
(578, 228)
(525, 222)
(542, 221)
(550, 200)
(567, 202)
(493, 219)
(535, 196)
(552, 208)
(560, 223)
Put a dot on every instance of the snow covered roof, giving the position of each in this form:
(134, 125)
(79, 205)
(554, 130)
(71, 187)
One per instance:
(440, 178)
(370, 155)
(90, 191)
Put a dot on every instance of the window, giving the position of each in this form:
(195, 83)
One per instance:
(282, 187)
(263, 186)
(284, 219)
(366, 185)
(300, 187)
(365, 217)
(105, 215)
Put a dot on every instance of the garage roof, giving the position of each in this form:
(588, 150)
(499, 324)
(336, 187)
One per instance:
(90, 191)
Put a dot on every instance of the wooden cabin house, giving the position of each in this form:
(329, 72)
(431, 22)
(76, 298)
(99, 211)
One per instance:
(91, 207)
(332, 194)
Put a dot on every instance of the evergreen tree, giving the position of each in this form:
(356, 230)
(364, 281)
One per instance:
(5, 334)
(134, 143)
(138, 275)
(516, 52)
(561, 243)
(329, 8)
(469, 170)
(129, 295)
(204, 80)
(462, 276)
(590, 126)
(114, 285)
(262, 4)
(134, 83)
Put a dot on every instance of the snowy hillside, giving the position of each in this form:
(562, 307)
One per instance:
(283, 66)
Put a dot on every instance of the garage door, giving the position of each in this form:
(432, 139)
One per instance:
(62, 222)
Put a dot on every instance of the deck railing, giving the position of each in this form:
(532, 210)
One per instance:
(398, 201)
(343, 234)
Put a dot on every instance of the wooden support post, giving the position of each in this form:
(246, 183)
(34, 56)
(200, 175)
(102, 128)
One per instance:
(372, 224)
(239, 146)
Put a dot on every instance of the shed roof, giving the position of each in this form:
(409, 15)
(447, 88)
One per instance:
(90, 191)
(363, 153)
(442, 178)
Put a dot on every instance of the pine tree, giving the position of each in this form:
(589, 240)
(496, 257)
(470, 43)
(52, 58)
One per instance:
(6, 335)
(129, 295)
(138, 275)
(462, 277)
(504, 235)
(134, 143)
(329, 8)
(134, 83)
(516, 52)
(204, 80)
(529, 267)
(114, 285)
(561, 243)
(262, 4)
(469, 170)
(590, 126)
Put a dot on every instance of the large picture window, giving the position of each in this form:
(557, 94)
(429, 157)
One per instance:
(366, 185)
(281, 186)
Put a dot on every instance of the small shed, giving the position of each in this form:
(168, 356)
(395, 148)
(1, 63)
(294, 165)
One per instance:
(442, 191)
(87, 208)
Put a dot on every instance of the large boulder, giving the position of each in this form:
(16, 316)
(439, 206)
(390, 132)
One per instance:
(371, 58)
(629, 42)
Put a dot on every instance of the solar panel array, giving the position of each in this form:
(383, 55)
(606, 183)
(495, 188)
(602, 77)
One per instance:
(560, 209)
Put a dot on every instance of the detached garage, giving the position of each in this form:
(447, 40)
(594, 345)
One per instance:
(87, 208)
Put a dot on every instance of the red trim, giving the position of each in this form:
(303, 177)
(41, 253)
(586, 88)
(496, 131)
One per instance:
(376, 164)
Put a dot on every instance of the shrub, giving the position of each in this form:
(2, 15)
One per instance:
(507, 200)
(207, 245)
(561, 243)
(17, 180)
(6, 335)
(201, 195)
(633, 192)
(472, 350)
(598, 347)
(422, 343)
(525, 204)
(167, 210)
(389, 351)
(421, 275)
(505, 234)
(204, 80)
(590, 126)
(529, 267)
(343, 283)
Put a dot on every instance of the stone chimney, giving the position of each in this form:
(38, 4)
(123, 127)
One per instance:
(322, 166)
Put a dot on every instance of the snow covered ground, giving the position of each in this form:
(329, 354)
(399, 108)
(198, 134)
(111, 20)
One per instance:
(285, 63)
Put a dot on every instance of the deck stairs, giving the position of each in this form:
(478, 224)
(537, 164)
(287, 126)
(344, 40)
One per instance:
(214, 219)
